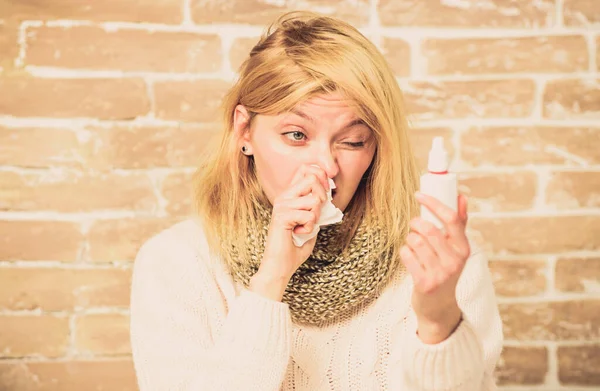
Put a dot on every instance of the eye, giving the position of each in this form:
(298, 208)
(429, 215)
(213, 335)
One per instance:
(356, 144)
(295, 136)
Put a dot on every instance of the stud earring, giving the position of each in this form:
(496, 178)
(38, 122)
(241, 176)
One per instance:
(244, 149)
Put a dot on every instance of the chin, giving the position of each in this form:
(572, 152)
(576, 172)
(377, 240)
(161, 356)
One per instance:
(336, 202)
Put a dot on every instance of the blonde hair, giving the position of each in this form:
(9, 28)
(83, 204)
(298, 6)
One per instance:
(301, 55)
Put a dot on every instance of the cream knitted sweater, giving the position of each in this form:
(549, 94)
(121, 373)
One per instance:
(194, 329)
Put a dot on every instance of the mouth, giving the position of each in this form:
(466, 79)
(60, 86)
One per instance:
(333, 191)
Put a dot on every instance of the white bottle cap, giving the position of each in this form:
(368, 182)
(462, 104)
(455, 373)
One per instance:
(438, 157)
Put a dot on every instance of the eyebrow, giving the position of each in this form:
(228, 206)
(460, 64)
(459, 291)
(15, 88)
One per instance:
(302, 114)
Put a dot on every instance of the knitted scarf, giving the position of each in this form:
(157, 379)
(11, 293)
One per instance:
(332, 281)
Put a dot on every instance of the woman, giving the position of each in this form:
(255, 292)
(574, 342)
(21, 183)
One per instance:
(228, 301)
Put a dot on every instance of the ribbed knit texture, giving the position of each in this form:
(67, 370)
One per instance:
(193, 328)
(331, 281)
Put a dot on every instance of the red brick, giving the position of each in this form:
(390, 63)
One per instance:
(240, 50)
(578, 275)
(8, 43)
(22, 336)
(76, 192)
(581, 13)
(127, 147)
(554, 321)
(120, 240)
(265, 12)
(494, 13)
(470, 99)
(397, 53)
(579, 365)
(123, 50)
(522, 366)
(54, 241)
(538, 235)
(103, 334)
(25, 96)
(517, 146)
(520, 278)
(63, 289)
(178, 191)
(190, 100)
(506, 55)
(572, 99)
(113, 375)
(574, 189)
(499, 191)
(148, 147)
(159, 11)
(40, 148)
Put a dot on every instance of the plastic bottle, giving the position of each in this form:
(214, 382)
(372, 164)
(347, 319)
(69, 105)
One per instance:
(438, 182)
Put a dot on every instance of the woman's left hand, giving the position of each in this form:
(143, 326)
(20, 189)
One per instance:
(435, 259)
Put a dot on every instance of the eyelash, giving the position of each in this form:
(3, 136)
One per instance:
(359, 144)
(294, 132)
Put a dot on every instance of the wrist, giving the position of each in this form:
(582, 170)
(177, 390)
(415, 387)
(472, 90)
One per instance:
(436, 331)
(269, 285)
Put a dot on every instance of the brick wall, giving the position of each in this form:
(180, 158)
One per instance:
(106, 105)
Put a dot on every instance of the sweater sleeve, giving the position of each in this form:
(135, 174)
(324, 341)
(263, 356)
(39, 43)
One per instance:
(466, 360)
(184, 337)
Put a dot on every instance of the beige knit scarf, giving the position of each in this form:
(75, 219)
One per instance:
(331, 282)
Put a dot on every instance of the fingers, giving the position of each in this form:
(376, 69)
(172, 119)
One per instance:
(462, 208)
(422, 250)
(454, 221)
(412, 264)
(307, 185)
(301, 212)
(434, 237)
(291, 218)
(295, 210)
(433, 257)
(308, 202)
(306, 194)
(448, 216)
(311, 183)
(306, 170)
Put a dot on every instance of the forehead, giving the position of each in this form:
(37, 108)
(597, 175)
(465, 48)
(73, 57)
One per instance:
(333, 104)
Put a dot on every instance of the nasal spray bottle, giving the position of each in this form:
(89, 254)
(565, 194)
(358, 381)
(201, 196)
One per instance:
(438, 182)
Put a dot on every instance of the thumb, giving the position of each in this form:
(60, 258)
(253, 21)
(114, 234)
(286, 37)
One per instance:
(462, 208)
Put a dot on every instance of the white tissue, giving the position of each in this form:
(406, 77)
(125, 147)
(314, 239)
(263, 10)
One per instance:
(329, 215)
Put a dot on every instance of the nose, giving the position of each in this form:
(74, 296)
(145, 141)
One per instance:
(328, 162)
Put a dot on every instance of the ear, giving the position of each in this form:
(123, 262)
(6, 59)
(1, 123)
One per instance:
(241, 123)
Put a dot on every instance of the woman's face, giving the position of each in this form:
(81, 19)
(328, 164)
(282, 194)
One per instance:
(323, 130)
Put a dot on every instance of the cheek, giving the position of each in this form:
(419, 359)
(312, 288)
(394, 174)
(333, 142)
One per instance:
(354, 165)
(275, 169)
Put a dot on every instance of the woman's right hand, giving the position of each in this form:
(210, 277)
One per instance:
(297, 210)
